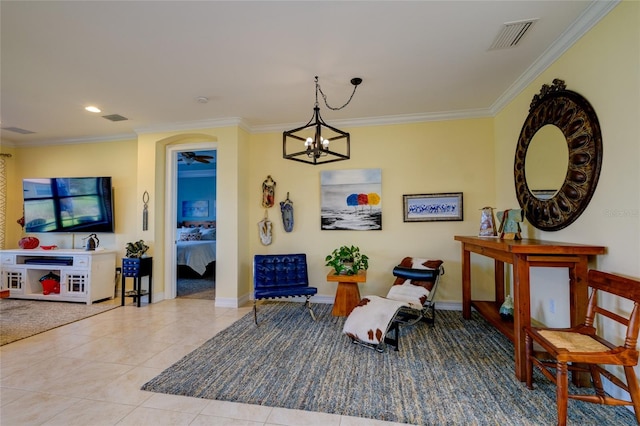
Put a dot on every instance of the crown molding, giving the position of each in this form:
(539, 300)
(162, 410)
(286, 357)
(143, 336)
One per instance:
(589, 18)
(194, 125)
(387, 120)
(72, 141)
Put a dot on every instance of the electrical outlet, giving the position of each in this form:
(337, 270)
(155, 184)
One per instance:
(552, 306)
(118, 270)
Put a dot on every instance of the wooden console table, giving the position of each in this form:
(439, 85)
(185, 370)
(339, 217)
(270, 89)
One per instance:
(347, 294)
(524, 254)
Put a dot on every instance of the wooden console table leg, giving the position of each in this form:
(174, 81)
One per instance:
(499, 281)
(521, 313)
(578, 295)
(466, 283)
(578, 291)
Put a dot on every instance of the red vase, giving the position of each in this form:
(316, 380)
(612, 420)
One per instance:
(29, 243)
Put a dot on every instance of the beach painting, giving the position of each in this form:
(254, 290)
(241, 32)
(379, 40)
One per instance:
(351, 199)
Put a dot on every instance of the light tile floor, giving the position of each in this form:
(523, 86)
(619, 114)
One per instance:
(90, 372)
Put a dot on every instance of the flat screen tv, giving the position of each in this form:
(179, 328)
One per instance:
(77, 204)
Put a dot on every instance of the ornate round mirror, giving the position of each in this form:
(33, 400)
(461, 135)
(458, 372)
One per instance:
(547, 206)
(546, 165)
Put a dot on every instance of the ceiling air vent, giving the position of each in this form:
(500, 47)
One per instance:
(115, 117)
(18, 130)
(511, 33)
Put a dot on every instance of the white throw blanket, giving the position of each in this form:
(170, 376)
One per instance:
(413, 295)
(370, 320)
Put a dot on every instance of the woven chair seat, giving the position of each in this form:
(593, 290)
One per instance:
(573, 342)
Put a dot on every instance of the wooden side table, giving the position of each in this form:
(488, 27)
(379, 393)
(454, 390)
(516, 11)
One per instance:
(137, 268)
(347, 294)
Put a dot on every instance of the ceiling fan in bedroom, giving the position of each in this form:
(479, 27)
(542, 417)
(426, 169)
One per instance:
(189, 157)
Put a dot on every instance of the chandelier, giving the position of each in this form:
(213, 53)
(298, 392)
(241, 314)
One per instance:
(317, 142)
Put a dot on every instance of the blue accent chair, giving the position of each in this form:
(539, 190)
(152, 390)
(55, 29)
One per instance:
(281, 275)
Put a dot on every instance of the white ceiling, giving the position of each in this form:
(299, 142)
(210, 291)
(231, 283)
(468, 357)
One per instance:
(256, 61)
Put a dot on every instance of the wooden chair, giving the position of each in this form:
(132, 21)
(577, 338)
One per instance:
(580, 349)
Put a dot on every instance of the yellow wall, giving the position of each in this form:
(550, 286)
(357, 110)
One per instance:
(448, 156)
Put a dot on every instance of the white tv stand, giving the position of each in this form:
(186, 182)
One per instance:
(85, 276)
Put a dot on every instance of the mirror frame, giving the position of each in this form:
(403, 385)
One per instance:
(577, 120)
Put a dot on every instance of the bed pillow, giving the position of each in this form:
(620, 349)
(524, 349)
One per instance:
(208, 233)
(184, 233)
(192, 236)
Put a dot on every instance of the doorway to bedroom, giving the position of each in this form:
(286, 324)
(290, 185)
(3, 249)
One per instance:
(196, 216)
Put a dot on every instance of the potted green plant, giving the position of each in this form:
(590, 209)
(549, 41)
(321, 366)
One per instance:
(137, 250)
(347, 260)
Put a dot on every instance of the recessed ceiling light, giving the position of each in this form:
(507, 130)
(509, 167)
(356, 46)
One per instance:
(92, 108)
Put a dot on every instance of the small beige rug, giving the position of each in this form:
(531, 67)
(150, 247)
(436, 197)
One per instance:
(24, 318)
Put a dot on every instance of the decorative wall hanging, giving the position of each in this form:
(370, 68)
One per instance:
(198, 208)
(510, 224)
(264, 230)
(574, 116)
(487, 223)
(432, 207)
(317, 142)
(286, 208)
(350, 199)
(268, 192)
(145, 211)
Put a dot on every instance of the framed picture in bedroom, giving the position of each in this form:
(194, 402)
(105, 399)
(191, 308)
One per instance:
(432, 207)
(198, 208)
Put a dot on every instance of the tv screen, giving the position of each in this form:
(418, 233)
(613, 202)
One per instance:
(82, 204)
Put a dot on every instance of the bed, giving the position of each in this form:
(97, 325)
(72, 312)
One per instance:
(196, 247)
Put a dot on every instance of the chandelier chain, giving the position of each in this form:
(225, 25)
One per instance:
(319, 89)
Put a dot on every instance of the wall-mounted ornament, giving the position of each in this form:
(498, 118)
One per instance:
(487, 222)
(286, 208)
(510, 224)
(145, 211)
(264, 229)
(268, 192)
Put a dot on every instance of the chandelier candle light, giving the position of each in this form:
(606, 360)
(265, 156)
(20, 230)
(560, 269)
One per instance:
(322, 142)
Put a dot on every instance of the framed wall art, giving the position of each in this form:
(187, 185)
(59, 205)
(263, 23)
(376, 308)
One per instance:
(432, 207)
(351, 199)
(199, 208)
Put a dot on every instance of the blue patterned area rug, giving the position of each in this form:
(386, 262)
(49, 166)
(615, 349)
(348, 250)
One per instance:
(457, 372)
